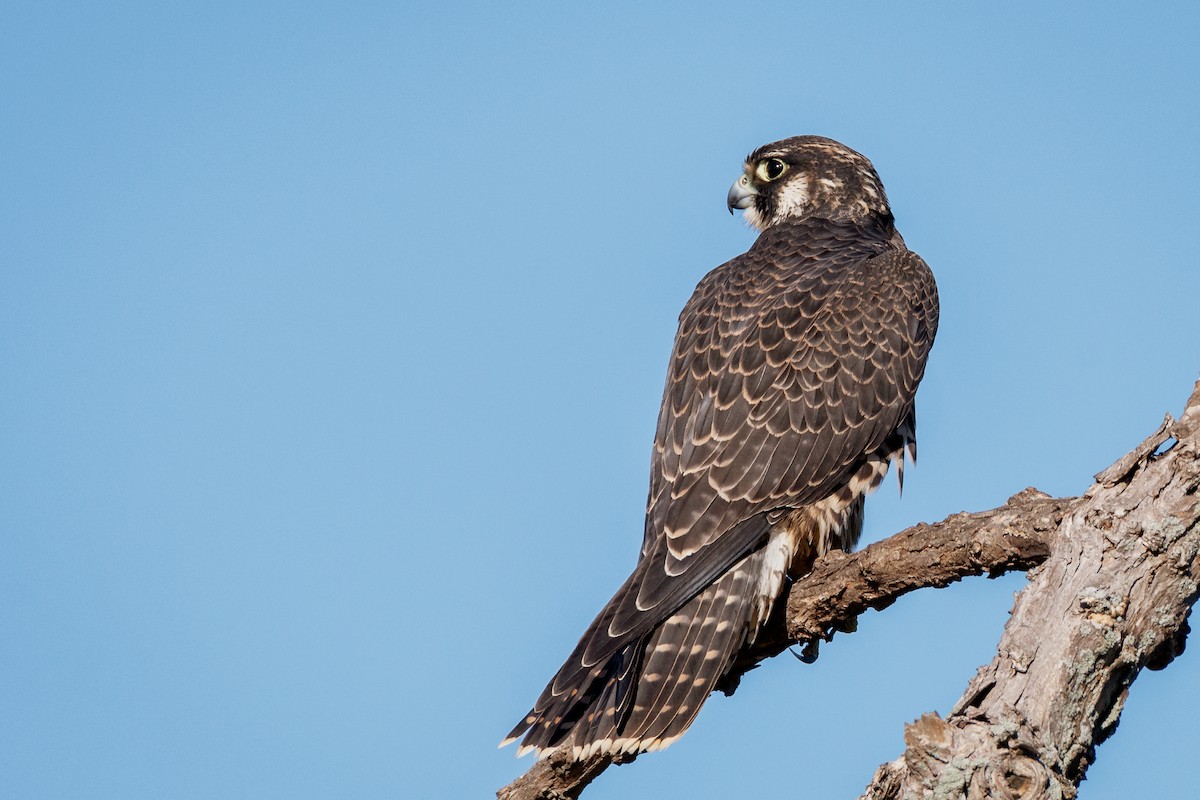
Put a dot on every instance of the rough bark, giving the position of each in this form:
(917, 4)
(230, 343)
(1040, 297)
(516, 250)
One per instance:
(1113, 576)
(1113, 597)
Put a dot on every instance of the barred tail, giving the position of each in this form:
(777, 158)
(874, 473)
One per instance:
(645, 695)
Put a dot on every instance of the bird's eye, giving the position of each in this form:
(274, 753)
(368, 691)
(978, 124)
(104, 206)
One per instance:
(770, 169)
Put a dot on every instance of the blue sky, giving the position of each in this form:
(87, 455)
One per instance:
(333, 339)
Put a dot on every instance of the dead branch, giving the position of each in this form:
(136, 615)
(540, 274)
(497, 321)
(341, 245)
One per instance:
(1113, 597)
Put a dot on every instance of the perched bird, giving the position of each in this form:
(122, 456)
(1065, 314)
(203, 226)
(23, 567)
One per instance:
(790, 392)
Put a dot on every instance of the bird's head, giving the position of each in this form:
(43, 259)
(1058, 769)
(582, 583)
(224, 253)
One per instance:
(807, 176)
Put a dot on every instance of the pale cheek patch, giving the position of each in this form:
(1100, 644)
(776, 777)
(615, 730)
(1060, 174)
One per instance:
(754, 218)
(793, 198)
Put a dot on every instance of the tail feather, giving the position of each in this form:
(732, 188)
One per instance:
(689, 655)
(647, 694)
(596, 697)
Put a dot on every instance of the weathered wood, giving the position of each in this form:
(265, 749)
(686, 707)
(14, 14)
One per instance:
(1113, 597)
(1117, 578)
(842, 586)
(556, 777)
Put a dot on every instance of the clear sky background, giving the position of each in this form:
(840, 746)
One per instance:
(333, 337)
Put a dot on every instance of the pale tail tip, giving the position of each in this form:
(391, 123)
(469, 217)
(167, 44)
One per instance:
(523, 750)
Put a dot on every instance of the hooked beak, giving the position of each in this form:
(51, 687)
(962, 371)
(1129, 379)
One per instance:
(741, 194)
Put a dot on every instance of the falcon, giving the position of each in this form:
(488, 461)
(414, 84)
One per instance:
(790, 392)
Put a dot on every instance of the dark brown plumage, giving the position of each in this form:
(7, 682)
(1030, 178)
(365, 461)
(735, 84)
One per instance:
(790, 391)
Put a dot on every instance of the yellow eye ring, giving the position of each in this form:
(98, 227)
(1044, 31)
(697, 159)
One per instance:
(770, 169)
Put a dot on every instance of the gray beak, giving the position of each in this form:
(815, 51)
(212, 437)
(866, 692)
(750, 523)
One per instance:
(741, 194)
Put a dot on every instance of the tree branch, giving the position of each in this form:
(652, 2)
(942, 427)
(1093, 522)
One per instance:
(1113, 597)
(1138, 516)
